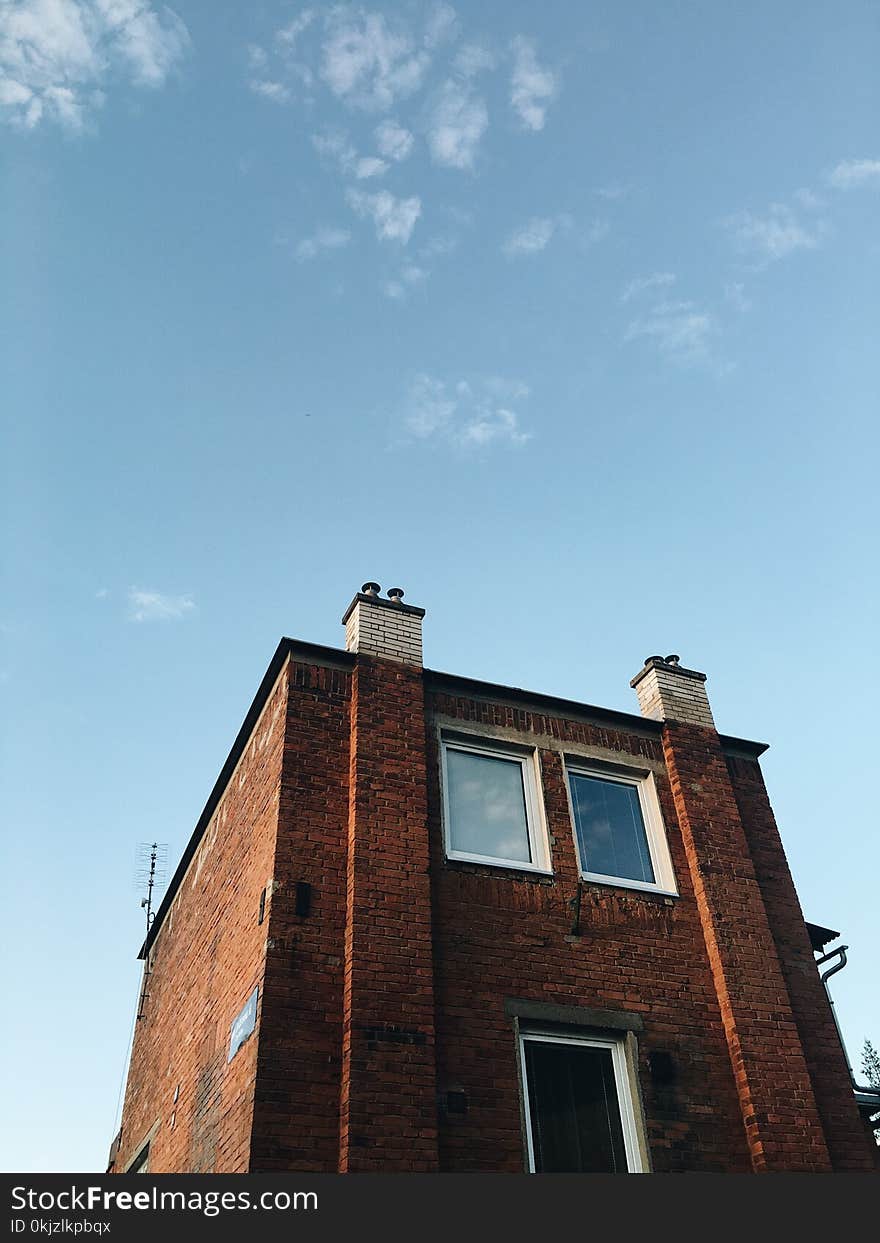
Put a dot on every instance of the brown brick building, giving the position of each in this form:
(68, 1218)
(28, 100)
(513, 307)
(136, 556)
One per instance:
(427, 923)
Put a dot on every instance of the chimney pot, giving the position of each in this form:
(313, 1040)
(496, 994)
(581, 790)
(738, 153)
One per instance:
(371, 589)
(395, 594)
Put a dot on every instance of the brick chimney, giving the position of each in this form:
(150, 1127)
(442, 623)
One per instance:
(669, 692)
(388, 1101)
(772, 1080)
(387, 628)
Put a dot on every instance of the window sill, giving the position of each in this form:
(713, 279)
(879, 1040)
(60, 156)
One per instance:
(474, 861)
(631, 886)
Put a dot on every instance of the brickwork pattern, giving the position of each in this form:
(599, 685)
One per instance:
(776, 1094)
(296, 1110)
(848, 1140)
(667, 694)
(380, 630)
(500, 934)
(206, 959)
(388, 993)
(388, 1116)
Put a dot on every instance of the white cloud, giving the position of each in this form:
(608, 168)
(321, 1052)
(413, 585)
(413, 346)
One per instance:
(472, 59)
(410, 275)
(532, 87)
(850, 174)
(442, 25)
(680, 330)
(465, 415)
(334, 145)
(323, 239)
(736, 296)
(146, 606)
(288, 35)
(393, 140)
(369, 166)
(808, 199)
(612, 191)
(459, 119)
(394, 218)
(367, 64)
(776, 234)
(57, 55)
(531, 238)
(657, 280)
(537, 234)
(276, 91)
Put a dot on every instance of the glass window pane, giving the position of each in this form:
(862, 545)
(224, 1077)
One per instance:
(487, 806)
(573, 1109)
(610, 829)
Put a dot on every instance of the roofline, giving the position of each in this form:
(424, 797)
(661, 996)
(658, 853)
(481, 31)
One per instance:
(335, 657)
(563, 707)
(570, 707)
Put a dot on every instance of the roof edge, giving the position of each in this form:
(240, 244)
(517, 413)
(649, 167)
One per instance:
(287, 649)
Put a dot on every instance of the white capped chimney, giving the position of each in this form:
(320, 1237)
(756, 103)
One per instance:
(384, 627)
(669, 692)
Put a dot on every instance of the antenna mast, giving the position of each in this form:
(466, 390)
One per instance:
(150, 872)
(152, 860)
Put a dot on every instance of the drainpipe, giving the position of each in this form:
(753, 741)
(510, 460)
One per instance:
(825, 976)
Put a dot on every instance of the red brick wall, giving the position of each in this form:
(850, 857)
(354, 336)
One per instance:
(500, 934)
(391, 991)
(206, 959)
(388, 1095)
(776, 1095)
(847, 1138)
(296, 1114)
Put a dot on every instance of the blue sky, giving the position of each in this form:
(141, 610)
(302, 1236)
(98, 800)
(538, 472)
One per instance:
(562, 316)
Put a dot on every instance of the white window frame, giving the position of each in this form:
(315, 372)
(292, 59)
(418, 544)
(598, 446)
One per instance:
(655, 830)
(539, 844)
(625, 1102)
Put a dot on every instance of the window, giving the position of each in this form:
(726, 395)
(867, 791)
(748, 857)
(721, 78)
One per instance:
(492, 811)
(141, 1163)
(578, 1105)
(618, 829)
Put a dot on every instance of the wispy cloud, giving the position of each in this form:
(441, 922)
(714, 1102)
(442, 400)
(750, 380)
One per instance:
(779, 232)
(535, 235)
(680, 330)
(322, 240)
(735, 294)
(260, 83)
(441, 25)
(851, 174)
(393, 140)
(288, 35)
(466, 415)
(366, 63)
(612, 192)
(335, 146)
(459, 119)
(657, 280)
(409, 276)
(473, 58)
(147, 606)
(532, 87)
(394, 218)
(58, 57)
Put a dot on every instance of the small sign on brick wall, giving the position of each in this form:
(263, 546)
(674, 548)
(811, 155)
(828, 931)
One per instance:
(243, 1023)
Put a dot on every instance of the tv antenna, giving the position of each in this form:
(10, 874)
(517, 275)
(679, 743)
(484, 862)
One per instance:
(150, 873)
